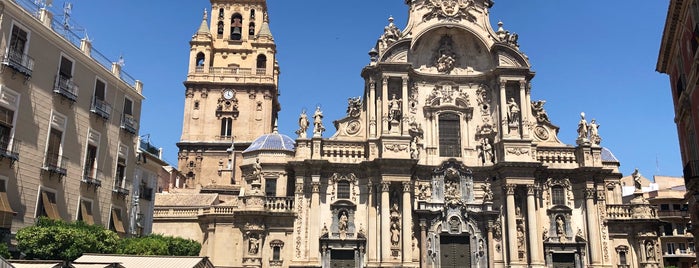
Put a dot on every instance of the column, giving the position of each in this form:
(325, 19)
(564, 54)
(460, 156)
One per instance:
(491, 246)
(525, 110)
(385, 222)
(404, 105)
(535, 250)
(372, 233)
(384, 104)
(407, 224)
(211, 240)
(371, 106)
(511, 223)
(423, 243)
(503, 107)
(592, 226)
(314, 218)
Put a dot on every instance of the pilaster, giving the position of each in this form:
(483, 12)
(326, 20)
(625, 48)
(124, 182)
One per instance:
(407, 229)
(592, 226)
(385, 222)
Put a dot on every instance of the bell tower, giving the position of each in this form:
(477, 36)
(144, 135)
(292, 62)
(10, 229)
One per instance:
(231, 91)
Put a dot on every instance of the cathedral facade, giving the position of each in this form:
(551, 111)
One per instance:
(445, 160)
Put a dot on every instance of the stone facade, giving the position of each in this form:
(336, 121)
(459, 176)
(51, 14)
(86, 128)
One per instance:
(445, 160)
(64, 153)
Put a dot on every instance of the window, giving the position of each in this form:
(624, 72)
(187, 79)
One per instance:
(276, 253)
(252, 14)
(120, 173)
(128, 107)
(226, 127)
(85, 213)
(251, 29)
(16, 57)
(64, 80)
(343, 190)
(276, 246)
(99, 105)
(6, 124)
(236, 26)
(682, 248)
(667, 229)
(47, 205)
(622, 257)
(53, 153)
(221, 15)
(200, 59)
(690, 246)
(90, 171)
(676, 207)
(6, 212)
(128, 121)
(558, 195)
(670, 248)
(220, 29)
(261, 64)
(65, 70)
(117, 224)
(271, 187)
(680, 229)
(449, 135)
(664, 207)
(196, 105)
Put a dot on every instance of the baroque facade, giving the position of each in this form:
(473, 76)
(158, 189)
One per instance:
(445, 160)
(678, 50)
(68, 125)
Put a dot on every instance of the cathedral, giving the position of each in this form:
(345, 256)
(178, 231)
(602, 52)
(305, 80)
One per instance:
(444, 161)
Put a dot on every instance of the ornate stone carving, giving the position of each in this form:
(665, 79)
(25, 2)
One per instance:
(394, 109)
(510, 189)
(385, 186)
(539, 112)
(518, 151)
(354, 106)
(449, 10)
(541, 133)
(565, 183)
(590, 193)
(487, 191)
(303, 125)
(315, 186)
(318, 127)
(582, 130)
(395, 147)
(395, 226)
(594, 132)
(390, 35)
(423, 190)
(486, 152)
(445, 58)
(531, 189)
(512, 112)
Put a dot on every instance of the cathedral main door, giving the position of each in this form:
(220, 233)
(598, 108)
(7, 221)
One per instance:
(342, 259)
(563, 260)
(455, 252)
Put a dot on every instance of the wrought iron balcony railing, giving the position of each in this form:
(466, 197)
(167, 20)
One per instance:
(120, 191)
(65, 87)
(55, 164)
(9, 149)
(19, 62)
(101, 108)
(91, 180)
(129, 124)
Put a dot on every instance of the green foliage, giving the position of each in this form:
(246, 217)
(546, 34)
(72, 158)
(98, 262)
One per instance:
(59, 240)
(159, 245)
(4, 251)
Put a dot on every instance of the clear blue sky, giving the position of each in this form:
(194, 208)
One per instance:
(596, 56)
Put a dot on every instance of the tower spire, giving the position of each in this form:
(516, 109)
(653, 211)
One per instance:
(204, 27)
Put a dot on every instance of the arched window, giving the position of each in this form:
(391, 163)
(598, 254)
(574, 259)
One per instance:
(261, 64)
(200, 59)
(252, 14)
(196, 105)
(251, 29)
(220, 28)
(558, 196)
(226, 127)
(236, 26)
(343, 189)
(220, 14)
(449, 135)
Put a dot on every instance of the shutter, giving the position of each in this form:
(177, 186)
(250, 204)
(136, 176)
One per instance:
(50, 205)
(116, 221)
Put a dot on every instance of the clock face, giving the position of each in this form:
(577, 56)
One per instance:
(228, 94)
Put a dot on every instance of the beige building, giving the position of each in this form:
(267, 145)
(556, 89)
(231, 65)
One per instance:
(678, 248)
(445, 160)
(68, 124)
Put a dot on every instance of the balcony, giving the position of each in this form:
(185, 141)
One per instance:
(9, 149)
(631, 212)
(129, 124)
(673, 214)
(55, 164)
(279, 204)
(120, 191)
(65, 87)
(91, 181)
(19, 62)
(101, 108)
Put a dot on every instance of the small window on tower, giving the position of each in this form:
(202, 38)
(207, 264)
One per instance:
(236, 26)
(251, 30)
(220, 14)
(252, 14)
(261, 64)
(220, 28)
(196, 105)
(200, 59)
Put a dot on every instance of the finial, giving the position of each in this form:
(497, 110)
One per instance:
(265, 18)
(500, 24)
(390, 19)
(206, 14)
(275, 130)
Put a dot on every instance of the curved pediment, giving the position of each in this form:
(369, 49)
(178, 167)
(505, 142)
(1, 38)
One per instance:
(450, 49)
(506, 56)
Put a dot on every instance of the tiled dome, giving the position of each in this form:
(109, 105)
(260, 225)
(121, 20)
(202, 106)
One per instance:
(608, 156)
(272, 142)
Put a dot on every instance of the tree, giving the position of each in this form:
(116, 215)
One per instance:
(58, 240)
(159, 245)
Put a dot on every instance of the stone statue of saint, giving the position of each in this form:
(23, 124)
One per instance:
(582, 128)
(318, 122)
(650, 251)
(342, 222)
(487, 191)
(257, 170)
(594, 132)
(394, 109)
(636, 180)
(486, 151)
(395, 233)
(253, 245)
(560, 228)
(512, 111)
(539, 112)
(303, 125)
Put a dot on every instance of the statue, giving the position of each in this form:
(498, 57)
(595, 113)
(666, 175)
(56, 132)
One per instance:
(650, 251)
(257, 170)
(579, 236)
(390, 35)
(520, 236)
(445, 60)
(318, 123)
(512, 112)
(539, 112)
(394, 109)
(342, 222)
(560, 228)
(303, 125)
(486, 153)
(636, 180)
(594, 132)
(545, 235)
(487, 191)
(324, 232)
(582, 128)
(395, 233)
(253, 245)
(414, 151)
(353, 106)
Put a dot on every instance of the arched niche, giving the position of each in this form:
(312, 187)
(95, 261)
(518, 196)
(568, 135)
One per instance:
(450, 50)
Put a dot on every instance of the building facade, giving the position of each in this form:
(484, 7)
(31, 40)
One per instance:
(678, 248)
(69, 124)
(445, 160)
(678, 51)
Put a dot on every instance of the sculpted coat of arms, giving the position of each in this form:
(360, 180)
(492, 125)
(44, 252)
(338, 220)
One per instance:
(449, 9)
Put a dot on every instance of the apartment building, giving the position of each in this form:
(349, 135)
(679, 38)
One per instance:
(68, 124)
(677, 242)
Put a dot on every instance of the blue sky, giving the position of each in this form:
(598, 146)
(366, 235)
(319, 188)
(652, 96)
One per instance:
(594, 56)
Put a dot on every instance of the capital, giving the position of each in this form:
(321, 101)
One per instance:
(385, 186)
(531, 189)
(407, 186)
(510, 189)
(590, 193)
(316, 186)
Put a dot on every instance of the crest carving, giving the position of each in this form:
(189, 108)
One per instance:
(449, 10)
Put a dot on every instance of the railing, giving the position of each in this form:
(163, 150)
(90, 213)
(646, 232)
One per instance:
(176, 212)
(66, 88)
(129, 123)
(120, 191)
(150, 148)
(64, 28)
(556, 156)
(230, 71)
(91, 180)
(9, 149)
(634, 211)
(199, 69)
(279, 204)
(55, 164)
(221, 210)
(19, 61)
(344, 152)
(261, 71)
(672, 213)
(101, 108)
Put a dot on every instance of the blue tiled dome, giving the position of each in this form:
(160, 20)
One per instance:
(608, 156)
(272, 142)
